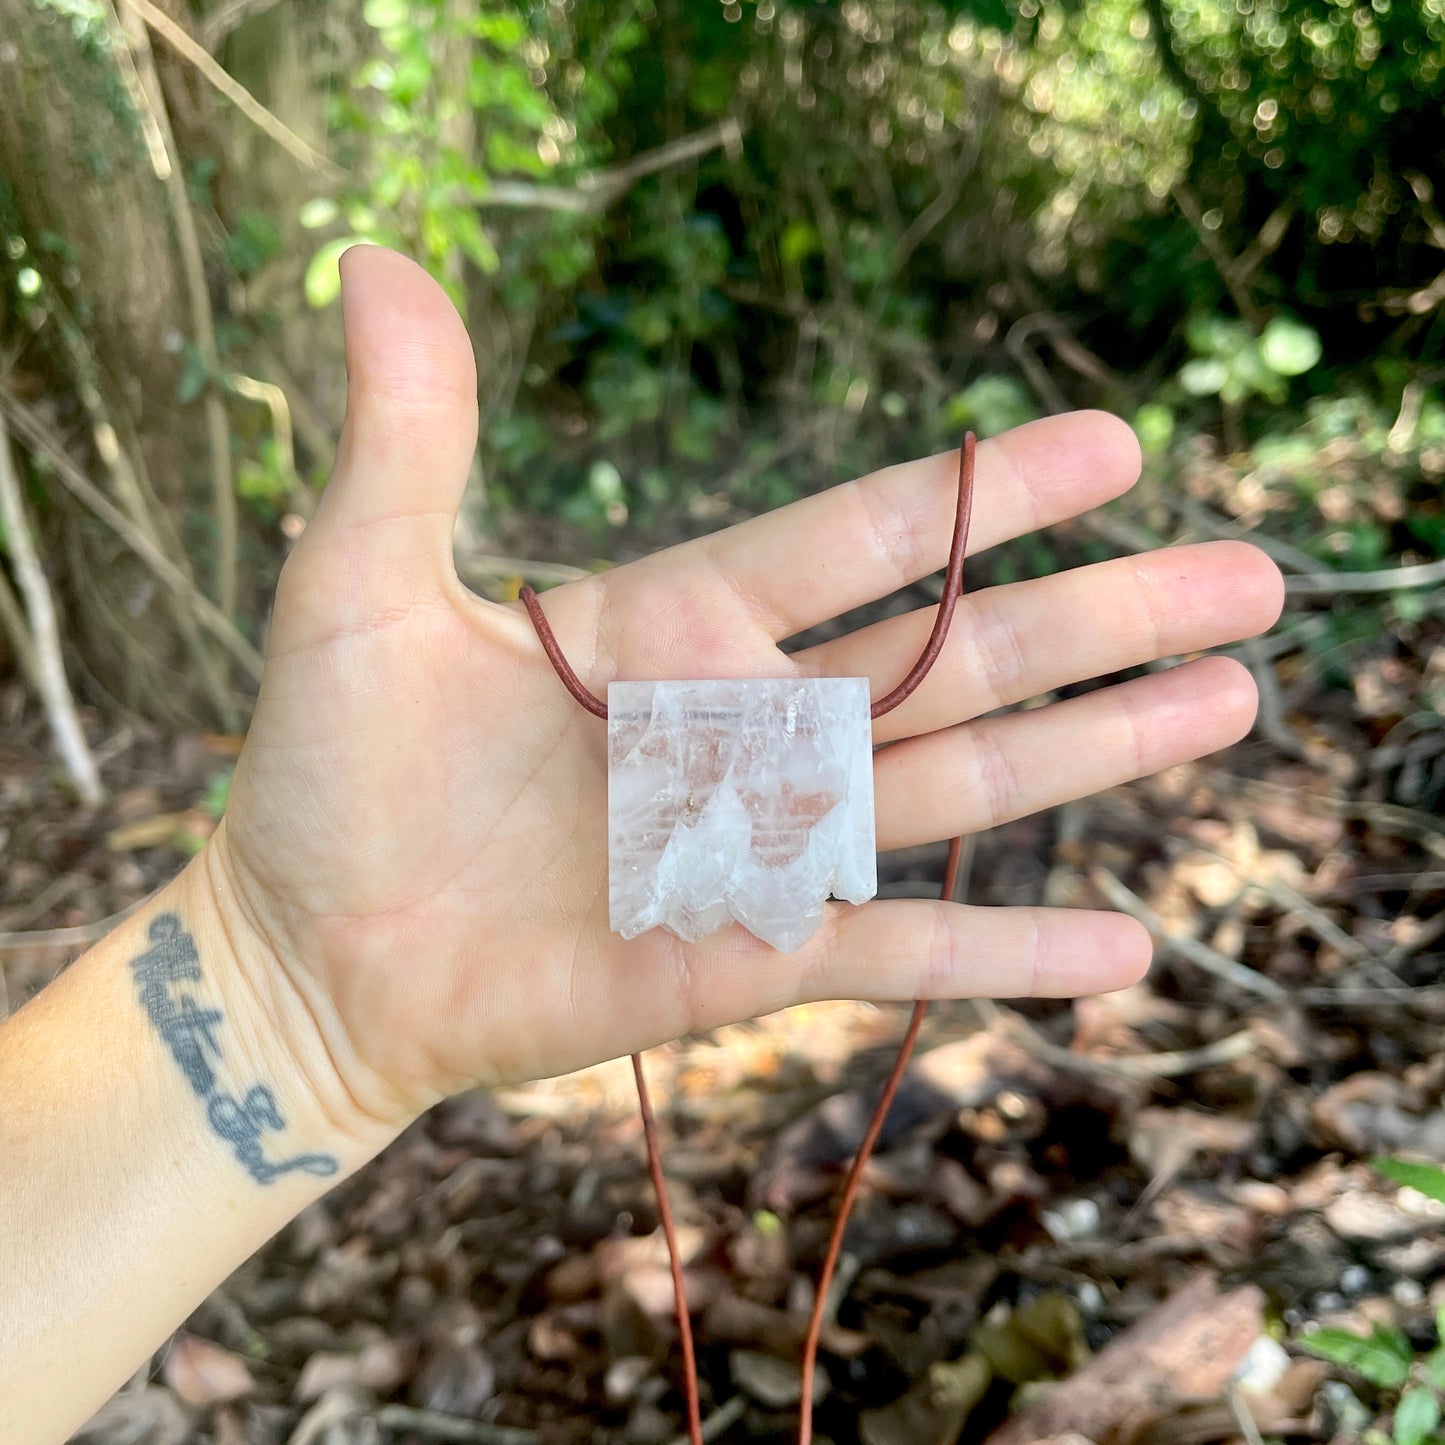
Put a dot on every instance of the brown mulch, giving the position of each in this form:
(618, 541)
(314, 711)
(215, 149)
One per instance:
(1181, 1169)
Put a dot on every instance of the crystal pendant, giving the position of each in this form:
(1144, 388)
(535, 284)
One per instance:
(749, 800)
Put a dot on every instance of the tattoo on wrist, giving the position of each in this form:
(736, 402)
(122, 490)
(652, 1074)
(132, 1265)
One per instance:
(190, 1032)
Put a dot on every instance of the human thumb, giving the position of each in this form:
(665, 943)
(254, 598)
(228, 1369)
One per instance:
(382, 533)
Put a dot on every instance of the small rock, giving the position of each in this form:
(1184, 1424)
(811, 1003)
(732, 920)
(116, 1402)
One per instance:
(1407, 1292)
(770, 1381)
(1262, 1368)
(625, 1376)
(325, 1371)
(1355, 1279)
(648, 1426)
(1074, 1219)
(454, 1379)
(1369, 1218)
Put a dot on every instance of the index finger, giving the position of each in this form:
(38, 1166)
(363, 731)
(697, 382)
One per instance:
(852, 544)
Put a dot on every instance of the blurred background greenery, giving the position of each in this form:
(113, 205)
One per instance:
(712, 255)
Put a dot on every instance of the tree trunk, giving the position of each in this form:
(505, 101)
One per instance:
(79, 158)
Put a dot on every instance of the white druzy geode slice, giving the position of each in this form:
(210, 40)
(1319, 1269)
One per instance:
(748, 800)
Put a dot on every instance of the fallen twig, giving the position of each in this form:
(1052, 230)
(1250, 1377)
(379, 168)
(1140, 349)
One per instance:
(1429, 933)
(45, 634)
(1181, 944)
(1167, 1065)
(1271, 721)
(1247, 1428)
(1346, 997)
(433, 1425)
(718, 1421)
(1423, 828)
(1291, 900)
(1387, 579)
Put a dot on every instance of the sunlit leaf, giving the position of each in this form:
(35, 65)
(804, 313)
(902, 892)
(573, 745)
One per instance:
(1435, 1367)
(1204, 376)
(1383, 1358)
(991, 405)
(1289, 348)
(1428, 1179)
(1416, 1416)
(323, 275)
(383, 14)
(317, 212)
(1154, 426)
(1215, 336)
(799, 240)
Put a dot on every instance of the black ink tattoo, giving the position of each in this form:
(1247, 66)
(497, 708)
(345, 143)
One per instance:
(189, 1031)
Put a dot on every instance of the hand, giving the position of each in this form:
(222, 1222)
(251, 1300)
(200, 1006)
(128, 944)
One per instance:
(415, 852)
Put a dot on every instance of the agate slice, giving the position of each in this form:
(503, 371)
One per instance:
(749, 801)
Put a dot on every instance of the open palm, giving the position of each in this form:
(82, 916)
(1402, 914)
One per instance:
(417, 826)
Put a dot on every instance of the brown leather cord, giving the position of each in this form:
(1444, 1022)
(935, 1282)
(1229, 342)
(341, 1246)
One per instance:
(952, 586)
(952, 590)
(558, 658)
(855, 1177)
(674, 1256)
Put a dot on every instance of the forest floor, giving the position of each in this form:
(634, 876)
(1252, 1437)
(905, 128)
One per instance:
(1143, 1197)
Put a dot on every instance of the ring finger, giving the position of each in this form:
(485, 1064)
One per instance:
(988, 772)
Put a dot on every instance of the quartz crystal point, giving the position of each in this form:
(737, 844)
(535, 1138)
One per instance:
(748, 800)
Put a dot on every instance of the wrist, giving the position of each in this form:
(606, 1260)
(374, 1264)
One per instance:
(161, 1116)
(287, 1098)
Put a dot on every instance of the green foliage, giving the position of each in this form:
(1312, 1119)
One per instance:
(917, 182)
(253, 242)
(992, 404)
(1385, 1357)
(1427, 1179)
(218, 792)
(1416, 1416)
(913, 175)
(456, 97)
(88, 18)
(1233, 364)
(264, 480)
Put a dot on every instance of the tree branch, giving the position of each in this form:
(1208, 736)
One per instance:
(598, 191)
(45, 632)
(1182, 944)
(1387, 579)
(38, 436)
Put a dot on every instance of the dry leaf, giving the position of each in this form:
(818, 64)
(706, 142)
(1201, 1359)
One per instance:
(202, 1373)
(1186, 1349)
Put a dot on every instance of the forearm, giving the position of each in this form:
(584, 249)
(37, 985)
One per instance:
(153, 1134)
